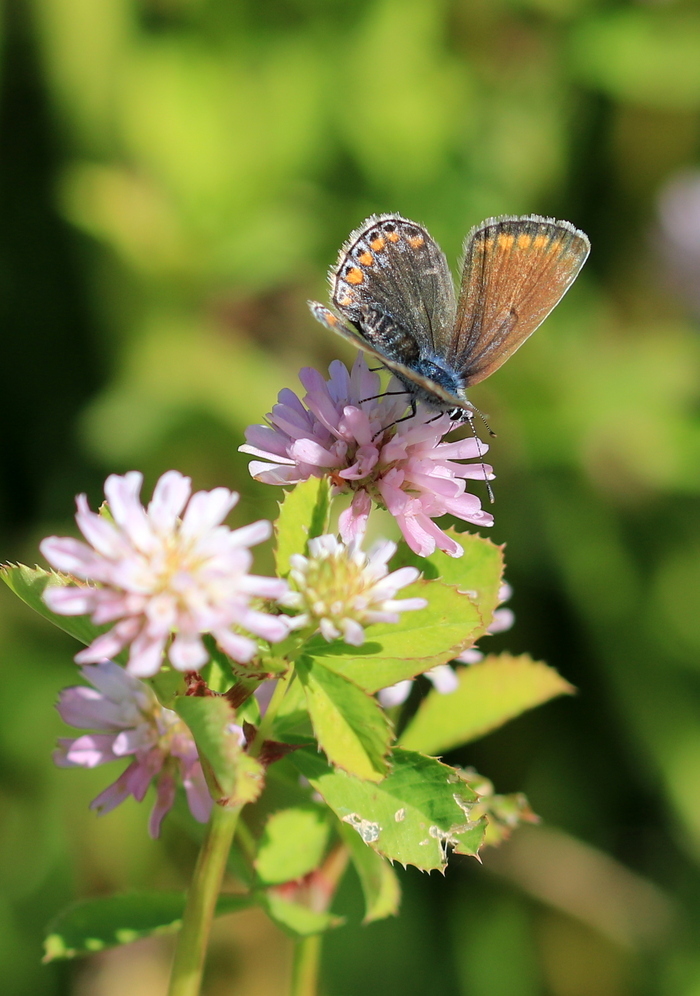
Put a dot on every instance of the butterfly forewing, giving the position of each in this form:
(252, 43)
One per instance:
(515, 271)
(393, 284)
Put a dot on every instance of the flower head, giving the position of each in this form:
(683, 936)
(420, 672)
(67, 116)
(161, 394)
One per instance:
(402, 466)
(131, 723)
(170, 569)
(343, 589)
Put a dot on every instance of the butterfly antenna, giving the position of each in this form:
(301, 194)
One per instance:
(470, 419)
(483, 419)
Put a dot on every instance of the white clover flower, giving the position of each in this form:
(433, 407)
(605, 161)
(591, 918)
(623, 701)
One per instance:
(169, 570)
(342, 589)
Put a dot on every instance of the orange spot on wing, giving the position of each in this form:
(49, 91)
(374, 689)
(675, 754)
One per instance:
(354, 275)
(366, 258)
(393, 236)
(524, 241)
(505, 240)
(378, 243)
(416, 241)
(540, 241)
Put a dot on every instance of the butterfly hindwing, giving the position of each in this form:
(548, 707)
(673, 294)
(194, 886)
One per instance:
(515, 271)
(392, 283)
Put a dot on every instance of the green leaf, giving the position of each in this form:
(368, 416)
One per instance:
(293, 844)
(421, 640)
(489, 694)
(479, 573)
(231, 774)
(380, 885)
(420, 809)
(96, 924)
(349, 724)
(304, 513)
(28, 583)
(295, 919)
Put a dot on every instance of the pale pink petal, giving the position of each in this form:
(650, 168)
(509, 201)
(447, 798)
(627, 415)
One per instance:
(106, 645)
(198, 796)
(146, 655)
(239, 647)
(207, 509)
(86, 752)
(503, 619)
(100, 533)
(165, 797)
(88, 709)
(114, 795)
(395, 695)
(70, 556)
(127, 511)
(69, 601)
(130, 741)
(444, 679)
(309, 451)
(187, 653)
(256, 532)
(272, 628)
(271, 474)
(169, 498)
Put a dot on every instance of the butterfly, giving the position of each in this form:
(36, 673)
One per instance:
(393, 296)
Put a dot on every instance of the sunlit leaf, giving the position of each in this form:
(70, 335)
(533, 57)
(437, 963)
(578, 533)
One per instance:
(489, 694)
(413, 816)
(349, 724)
(422, 639)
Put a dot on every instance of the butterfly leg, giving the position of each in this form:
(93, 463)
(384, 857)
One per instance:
(404, 418)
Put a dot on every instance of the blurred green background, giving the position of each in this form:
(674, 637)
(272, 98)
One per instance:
(175, 178)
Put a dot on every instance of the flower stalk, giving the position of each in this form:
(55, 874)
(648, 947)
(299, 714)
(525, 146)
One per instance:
(188, 964)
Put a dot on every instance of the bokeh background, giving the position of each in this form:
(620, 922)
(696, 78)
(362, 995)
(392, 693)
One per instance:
(175, 178)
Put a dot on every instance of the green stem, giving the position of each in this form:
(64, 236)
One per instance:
(186, 976)
(307, 957)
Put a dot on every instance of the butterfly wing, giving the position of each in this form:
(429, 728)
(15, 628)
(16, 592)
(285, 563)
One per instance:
(336, 324)
(515, 271)
(392, 283)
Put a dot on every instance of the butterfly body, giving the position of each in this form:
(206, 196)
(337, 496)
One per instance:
(393, 297)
